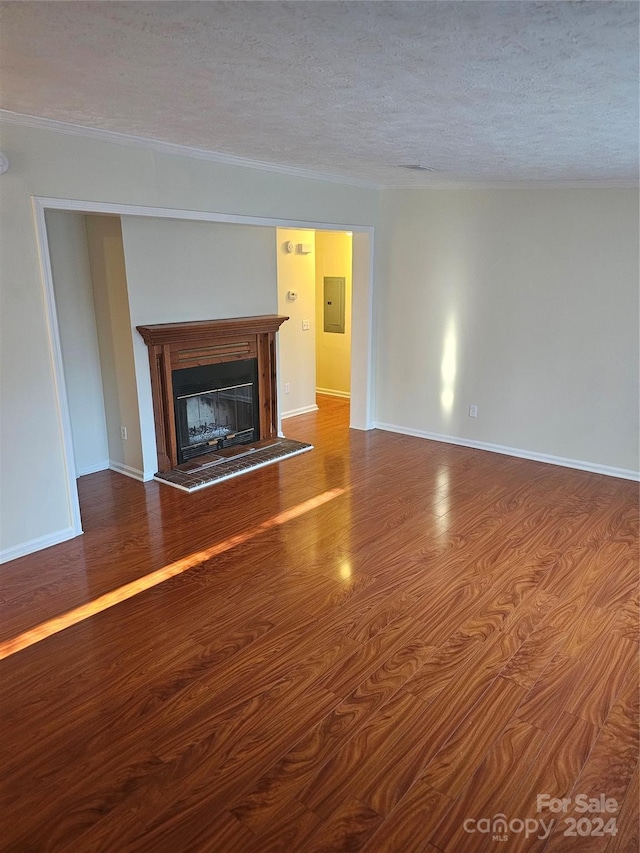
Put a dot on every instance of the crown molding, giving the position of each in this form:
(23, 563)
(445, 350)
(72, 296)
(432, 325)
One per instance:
(174, 149)
(520, 185)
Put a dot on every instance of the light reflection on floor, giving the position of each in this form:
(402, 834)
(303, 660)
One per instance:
(441, 502)
(109, 599)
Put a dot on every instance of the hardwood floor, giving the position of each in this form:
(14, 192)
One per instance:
(380, 645)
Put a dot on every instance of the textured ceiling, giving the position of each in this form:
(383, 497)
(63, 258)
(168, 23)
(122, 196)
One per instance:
(479, 92)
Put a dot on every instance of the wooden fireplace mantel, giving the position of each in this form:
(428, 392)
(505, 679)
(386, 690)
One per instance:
(173, 346)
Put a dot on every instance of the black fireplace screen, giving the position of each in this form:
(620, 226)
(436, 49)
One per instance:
(215, 406)
(216, 414)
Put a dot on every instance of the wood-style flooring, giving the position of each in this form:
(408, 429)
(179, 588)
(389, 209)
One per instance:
(381, 645)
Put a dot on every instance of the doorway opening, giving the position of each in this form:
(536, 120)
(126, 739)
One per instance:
(315, 289)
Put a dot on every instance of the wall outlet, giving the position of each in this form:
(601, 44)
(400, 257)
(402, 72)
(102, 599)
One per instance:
(473, 411)
(306, 325)
(123, 433)
(287, 387)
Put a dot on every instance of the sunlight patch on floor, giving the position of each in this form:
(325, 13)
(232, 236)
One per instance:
(109, 599)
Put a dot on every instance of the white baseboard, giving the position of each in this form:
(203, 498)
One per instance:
(128, 471)
(578, 464)
(331, 393)
(36, 544)
(302, 411)
(93, 469)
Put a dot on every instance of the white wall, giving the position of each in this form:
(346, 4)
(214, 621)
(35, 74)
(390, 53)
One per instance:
(113, 322)
(35, 510)
(78, 338)
(524, 303)
(296, 346)
(179, 271)
(363, 314)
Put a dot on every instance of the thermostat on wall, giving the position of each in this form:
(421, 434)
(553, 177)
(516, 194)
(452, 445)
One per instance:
(292, 295)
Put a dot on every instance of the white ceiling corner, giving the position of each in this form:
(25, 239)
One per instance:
(507, 93)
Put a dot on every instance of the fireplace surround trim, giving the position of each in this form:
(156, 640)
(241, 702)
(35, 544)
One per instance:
(173, 346)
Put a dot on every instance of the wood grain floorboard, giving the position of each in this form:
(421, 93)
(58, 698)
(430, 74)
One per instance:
(491, 788)
(333, 782)
(466, 748)
(593, 699)
(627, 839)
(411, 822)
(277, 788)
(368, 644)
(289, 830)
(552, 692)
(347, 828)
(388, 774)
(558, 765)
(609, 767)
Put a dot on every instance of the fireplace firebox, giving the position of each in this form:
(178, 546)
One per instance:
(213, 384)
(215, 406)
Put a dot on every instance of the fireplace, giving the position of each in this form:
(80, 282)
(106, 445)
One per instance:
(213, 384)
(215, 406)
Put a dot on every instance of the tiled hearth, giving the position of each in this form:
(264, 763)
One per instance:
(207, 470)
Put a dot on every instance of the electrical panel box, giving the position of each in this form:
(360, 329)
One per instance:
(334, 308)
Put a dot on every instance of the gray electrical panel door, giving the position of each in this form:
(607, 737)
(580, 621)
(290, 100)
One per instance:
(334, 291)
